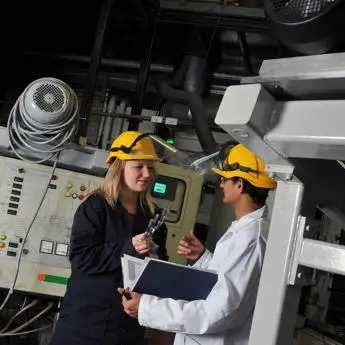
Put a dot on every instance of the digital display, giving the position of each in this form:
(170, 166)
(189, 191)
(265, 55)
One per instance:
(159, 188)
(165, 187)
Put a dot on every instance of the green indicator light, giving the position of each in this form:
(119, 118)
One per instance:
(55, 279)
(159, 188)
(170, 141)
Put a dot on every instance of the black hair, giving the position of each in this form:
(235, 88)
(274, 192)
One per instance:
(258, 195)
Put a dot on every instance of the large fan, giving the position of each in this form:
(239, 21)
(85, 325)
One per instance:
(307, 26)
(43, 120)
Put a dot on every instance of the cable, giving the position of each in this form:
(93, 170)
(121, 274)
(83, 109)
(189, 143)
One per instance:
(10, 292)
(27, 332)
(43, 119)
(45, 310)
(17, 314)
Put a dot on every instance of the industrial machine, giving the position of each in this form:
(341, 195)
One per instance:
(44, 266)
(38, 201)
(292, 116)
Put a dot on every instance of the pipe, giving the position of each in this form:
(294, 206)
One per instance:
(108, 122)
(118, 123)
(197, 109)
(86, 104)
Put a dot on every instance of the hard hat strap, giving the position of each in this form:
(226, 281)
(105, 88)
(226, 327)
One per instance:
(128, 150)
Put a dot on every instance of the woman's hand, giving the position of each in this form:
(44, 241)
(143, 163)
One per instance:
(142, 246)
(190, 247)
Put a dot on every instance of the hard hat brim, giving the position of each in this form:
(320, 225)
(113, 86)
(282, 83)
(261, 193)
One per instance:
(262, 182)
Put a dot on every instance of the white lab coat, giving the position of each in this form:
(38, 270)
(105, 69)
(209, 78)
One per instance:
(225, 317)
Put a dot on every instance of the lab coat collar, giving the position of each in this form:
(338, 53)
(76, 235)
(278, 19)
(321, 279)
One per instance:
(248, 218)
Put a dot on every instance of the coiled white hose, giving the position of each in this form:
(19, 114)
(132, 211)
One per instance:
(43, 120)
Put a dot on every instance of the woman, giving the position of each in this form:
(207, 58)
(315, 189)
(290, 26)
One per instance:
(109, 223)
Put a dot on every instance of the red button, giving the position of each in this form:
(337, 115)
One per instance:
(82, 188)
(54, 177)
(81, 197)
(41, 277)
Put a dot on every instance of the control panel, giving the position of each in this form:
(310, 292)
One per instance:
(45, 267)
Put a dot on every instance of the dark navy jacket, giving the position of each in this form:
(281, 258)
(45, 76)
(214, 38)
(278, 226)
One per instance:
(92, 312)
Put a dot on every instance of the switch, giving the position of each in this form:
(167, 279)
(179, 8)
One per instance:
(81, 197)
(25, 251)
(68, 194)
(18, 179)
(74, 195)
(2, 244)
(69, 185)
(10, 253)
(3, 237)
(82, 188)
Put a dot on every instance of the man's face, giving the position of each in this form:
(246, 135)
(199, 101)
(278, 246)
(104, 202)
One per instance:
(232, 190)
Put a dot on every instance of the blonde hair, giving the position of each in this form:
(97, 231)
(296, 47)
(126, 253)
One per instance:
(113, 183)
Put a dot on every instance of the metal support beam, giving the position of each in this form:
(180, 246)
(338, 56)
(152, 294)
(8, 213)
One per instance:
(270, 317)
(143, 76)
(86, 103)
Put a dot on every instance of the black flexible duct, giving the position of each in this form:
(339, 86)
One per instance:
(197, 109)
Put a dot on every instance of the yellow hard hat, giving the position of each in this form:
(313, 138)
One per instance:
(132, 145)
(241, 162)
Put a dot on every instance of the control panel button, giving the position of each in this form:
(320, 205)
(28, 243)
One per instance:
(68, 194)
(52, 186)
(61, 249)
(13, 244)
(81, 197)
(74, 195)
(69, 185)
(14, 198)
(46, 247)
(12, 212)
(25, 251)
(17, 186)
(18, 179)
(3, 237)
(15, 192)
(54, 177)
(82, 188)
(12, 205)
(2, 244)
(10, 253)
(21, 170)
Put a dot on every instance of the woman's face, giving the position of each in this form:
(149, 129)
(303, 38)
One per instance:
(138, 174)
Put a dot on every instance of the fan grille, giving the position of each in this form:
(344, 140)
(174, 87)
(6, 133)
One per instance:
(49, 98)
(301, 9)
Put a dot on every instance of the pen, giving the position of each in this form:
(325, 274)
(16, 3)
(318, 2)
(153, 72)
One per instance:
(126, 294)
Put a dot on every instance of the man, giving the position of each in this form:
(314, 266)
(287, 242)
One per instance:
(225, 317)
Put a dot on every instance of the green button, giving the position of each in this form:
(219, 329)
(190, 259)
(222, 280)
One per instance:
(25, 251)
(55, 279)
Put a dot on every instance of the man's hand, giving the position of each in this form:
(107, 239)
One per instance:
(190, 247)
(131, 306)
